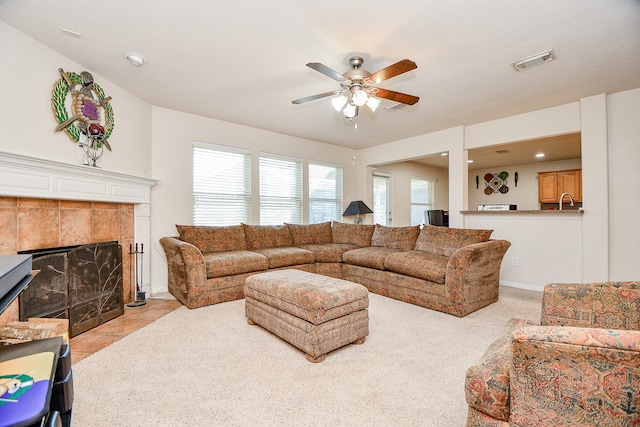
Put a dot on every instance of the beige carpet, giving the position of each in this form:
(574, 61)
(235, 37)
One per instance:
(208, 367)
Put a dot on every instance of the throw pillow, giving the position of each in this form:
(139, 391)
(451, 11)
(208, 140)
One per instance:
(351, 234)
(304, 234)
(213, 239)
(267, 236)
(445, 241)
(395, 237)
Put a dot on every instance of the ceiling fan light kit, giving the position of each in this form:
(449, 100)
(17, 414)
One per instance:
(357, 86)
(350, 111)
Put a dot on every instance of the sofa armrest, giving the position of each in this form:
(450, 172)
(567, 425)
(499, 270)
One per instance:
(487, 382)
(186, 267)
(609, 305)
(473, 275)
(574, 376)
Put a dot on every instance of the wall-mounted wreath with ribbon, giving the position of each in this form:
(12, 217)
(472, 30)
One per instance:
(91, 114)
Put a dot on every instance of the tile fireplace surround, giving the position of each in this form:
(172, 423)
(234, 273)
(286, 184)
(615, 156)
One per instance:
(47, 204)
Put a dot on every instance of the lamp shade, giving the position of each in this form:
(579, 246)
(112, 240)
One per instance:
(350, 111)
(373, 103)
(359, 97)
(338, 102)
(357, 207)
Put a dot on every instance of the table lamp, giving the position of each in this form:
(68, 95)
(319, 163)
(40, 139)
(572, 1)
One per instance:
(356, 208)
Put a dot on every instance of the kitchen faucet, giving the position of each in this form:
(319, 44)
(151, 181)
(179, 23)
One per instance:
(562, 197)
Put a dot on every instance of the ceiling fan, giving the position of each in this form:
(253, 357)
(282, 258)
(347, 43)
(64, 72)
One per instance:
(358, 86)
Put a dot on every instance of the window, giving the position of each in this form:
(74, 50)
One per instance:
(381, 199)
(221, 185)
(421, 199)
(325, 193)
(280, 190)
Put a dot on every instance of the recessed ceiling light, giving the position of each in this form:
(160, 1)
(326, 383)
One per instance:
(469, 161)
(539, 155)
(533, 60)
(134, 58)
(446, 153)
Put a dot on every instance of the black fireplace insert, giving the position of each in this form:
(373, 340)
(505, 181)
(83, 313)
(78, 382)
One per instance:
(81, 283)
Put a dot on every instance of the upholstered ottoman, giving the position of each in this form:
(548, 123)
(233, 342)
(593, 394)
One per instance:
(317, 314)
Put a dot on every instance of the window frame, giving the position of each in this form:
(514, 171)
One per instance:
(218, 197)
(296, 200)
(422, 206)
(335, 201)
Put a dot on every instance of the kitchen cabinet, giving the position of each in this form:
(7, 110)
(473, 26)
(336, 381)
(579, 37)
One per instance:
(552, 184)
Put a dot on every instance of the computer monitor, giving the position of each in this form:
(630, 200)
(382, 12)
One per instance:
(437, 217)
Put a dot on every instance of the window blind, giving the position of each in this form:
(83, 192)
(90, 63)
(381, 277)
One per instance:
(280, 190)
(221, 185)
(381, 208)
(325, 193)
(421, 199)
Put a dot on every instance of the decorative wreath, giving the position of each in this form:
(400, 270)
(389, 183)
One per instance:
(86, 115)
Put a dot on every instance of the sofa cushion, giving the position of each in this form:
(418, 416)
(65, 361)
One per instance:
(371, 257)
(395, 237)
(328, 252)
(267, 236)
(422, 265)
(487, 383)
(213, 239)
(445, 241)
(220, 264)
(286, 256)
(303, 234)
(352, 234)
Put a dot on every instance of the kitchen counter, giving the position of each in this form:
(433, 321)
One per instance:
(538, 212)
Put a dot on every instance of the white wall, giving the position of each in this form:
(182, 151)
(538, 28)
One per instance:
(525, 195)
(27, 121)
(623, 113)
(448, 140)
(401, 174)
(545, 248)
(173, 134)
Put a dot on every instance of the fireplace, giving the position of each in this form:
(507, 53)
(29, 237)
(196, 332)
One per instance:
(82, 283)
(46, 203)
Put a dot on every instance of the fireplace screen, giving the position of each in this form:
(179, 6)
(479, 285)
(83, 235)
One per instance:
(80, 283)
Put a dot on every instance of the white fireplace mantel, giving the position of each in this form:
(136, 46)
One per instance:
(32, 177)
(26, 176)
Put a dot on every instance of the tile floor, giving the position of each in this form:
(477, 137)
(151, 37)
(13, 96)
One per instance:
(133, 319)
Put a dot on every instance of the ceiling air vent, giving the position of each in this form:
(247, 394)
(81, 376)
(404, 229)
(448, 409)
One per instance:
(532, 61)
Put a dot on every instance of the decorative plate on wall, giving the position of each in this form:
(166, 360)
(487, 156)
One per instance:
(496, 183)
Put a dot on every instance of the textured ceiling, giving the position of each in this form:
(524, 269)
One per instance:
(244, 61)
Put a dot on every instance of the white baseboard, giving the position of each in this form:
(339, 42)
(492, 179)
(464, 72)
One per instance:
(524, 286)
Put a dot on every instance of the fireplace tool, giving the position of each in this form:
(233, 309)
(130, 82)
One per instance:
(134, 257)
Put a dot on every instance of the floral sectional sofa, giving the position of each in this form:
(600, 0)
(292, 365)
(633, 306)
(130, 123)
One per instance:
(455, 271)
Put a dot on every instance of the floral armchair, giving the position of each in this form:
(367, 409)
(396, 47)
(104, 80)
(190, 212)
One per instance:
(579, 367)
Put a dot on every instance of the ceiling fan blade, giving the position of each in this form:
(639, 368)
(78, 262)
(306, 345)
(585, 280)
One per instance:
(397, 96)
(327, 71)
(396, 69)
(314, 97)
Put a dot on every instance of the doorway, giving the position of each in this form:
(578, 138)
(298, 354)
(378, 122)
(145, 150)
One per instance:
(382, 199)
